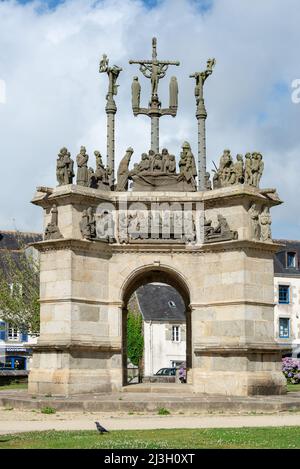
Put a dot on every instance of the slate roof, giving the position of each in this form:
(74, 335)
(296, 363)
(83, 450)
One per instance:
(13, 243)
(280, 268)
(154, 302)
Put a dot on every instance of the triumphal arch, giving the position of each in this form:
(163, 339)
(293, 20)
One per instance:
(160, 219)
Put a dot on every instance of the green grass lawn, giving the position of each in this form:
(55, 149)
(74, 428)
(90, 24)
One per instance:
(8, 387)
(293, 387)
(268, 437)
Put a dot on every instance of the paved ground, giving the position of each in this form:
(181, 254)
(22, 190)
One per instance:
(13, 421)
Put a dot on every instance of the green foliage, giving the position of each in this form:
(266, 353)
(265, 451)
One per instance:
(48, 410)
(135, 339)
(163, 411)
(19, 290)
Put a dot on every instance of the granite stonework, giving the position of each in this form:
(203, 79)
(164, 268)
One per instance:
(227, 287)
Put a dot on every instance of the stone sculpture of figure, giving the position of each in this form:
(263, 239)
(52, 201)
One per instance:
(189, 228)
(208, 228)
(255, 169)
(151, 154)
(123, 227)
(64, 167)
(254, 222)
(69, 171)
(106, 226)
(238, 170)
(123, 171)
(135, 93)
(113, 73)
(225, 171)
(88, 224)
(103, 67)
(248, 169)
(265, 225)
(60, 166)
(173, 92)
(52, 230)
(92, 182)
(187, 165)
(135, 225)
(82, 172)
(145, 163)
(158, 163)
(221, 232)
(169, 162)
(101, 174)
(260, 168)
(207, 181)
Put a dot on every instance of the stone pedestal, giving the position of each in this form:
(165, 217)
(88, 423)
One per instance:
(227, 287)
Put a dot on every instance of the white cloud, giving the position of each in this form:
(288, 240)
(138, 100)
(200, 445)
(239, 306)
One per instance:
(56, 96)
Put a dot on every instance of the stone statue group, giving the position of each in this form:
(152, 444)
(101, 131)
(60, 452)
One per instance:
(158, 164)
(86, 176)
(248, 171)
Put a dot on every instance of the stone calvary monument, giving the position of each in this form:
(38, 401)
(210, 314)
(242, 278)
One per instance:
(161, 220)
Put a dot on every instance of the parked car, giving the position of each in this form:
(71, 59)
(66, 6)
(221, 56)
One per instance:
(166, 372)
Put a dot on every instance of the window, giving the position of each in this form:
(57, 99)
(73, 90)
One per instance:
(291, 260)
(284, 294)
(12, 333)
(284, 328)
(176, 333)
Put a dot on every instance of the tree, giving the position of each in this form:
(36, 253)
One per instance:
(135, 339)
(19, 289)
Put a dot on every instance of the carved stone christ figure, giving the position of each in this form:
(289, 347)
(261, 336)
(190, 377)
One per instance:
(173, 90)
(123, 171)
(135, 93)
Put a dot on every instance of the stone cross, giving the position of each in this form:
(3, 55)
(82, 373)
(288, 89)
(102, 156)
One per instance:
(201, 115)
(111, 109)
(155, 70)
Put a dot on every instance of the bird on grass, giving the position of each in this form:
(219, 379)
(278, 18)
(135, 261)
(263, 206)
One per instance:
(100, 428)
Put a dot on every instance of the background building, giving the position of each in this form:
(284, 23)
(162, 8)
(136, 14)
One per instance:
(15, 344)
(163, 312)
(287, 295)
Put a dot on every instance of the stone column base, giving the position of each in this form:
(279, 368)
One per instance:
(239, 383)
(67, 373)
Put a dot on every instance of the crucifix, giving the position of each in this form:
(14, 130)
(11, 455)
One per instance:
(155, 70)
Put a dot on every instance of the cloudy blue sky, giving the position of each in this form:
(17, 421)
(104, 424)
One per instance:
(49, 56)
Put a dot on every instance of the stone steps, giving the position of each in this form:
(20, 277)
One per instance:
(162, 388)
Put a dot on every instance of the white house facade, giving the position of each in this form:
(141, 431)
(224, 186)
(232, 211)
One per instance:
(164, 316)
(287, 296)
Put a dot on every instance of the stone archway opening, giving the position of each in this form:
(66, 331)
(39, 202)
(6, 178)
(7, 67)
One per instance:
(162, 300)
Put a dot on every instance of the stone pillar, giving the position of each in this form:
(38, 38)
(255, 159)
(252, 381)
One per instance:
(201, 117)
(111, 110)
(155, 133)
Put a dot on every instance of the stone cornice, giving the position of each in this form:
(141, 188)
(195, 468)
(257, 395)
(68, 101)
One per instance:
(72, 244)
(71, 193)
(155, 247)
(239, 349)
(105, 346)
(81, 300)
